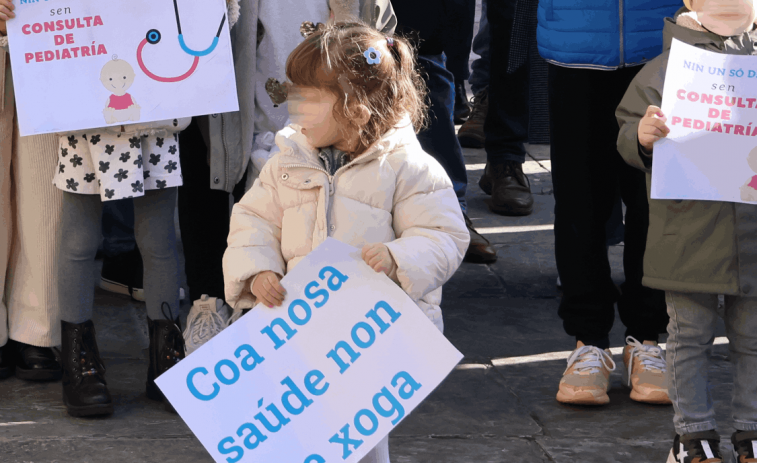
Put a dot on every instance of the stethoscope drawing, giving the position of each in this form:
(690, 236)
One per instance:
(154, 36)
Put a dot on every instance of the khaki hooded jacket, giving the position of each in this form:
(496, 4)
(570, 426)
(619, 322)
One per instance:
(692, 246)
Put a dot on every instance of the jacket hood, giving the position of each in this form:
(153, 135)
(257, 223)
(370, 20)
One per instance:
(685, 27)
(294, 145)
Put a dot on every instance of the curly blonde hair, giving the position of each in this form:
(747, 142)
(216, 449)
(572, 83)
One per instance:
(333, 58)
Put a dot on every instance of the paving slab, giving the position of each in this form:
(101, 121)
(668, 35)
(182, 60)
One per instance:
(469, 403)
(466, 450)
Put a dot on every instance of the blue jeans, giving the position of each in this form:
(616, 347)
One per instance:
(439, 139)
(479, 77)
(691, 330)
(118, 227)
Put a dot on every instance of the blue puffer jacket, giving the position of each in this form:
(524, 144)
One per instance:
(602, 34)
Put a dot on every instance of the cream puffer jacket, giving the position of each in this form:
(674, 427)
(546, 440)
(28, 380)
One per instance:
(394, 193)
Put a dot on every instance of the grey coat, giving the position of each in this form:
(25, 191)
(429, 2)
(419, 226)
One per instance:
(230, 135)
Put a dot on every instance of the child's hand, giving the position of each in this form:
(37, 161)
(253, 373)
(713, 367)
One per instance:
(268, 290)
(6, 13)
(652, 127)
(378, 257)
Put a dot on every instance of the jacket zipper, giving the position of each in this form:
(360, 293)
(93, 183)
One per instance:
(622, 53)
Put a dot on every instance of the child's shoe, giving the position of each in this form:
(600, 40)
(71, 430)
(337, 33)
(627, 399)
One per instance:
(166, 350)
(644, 372)
(699, 447)
(745, 446)
(85, 392)
(586, 380)
(207, 317)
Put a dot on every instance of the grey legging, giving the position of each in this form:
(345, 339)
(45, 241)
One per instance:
(156, 238)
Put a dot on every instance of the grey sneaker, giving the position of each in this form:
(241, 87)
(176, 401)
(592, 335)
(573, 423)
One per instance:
(207, 317)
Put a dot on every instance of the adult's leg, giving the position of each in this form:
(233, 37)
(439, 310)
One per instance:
(642, 310)
(690, 334)
(32, 288)
(156, 238)
(479, 77)
(118, 228)
(203, 218)
(585, 182)
(461, 17)
(439, 139)
(506, 126)
(7, 114)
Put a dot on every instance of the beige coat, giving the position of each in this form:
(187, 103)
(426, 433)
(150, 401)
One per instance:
(394, 193)
(692, 246)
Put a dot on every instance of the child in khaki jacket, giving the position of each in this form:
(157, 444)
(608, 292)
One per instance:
(697, 250)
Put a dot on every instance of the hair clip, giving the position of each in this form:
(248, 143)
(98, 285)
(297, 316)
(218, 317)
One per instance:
(308, 28)
(372, 55)
(389, 42)
(276, 91)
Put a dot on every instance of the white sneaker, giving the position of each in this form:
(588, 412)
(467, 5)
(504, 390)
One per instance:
(207, 317)
(645, 372)
(587, 378)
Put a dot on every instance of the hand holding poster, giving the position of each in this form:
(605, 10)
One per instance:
(710, 101)
(81, 64)
(321, 379)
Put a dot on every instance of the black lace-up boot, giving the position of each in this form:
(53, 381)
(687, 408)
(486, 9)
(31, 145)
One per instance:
(84, 388)
(166, 350)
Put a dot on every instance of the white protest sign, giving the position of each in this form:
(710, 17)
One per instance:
(710, 100)
(81, 64)
(321, 379)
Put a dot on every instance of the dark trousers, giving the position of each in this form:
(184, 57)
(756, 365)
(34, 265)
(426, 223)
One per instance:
(458, 48)
(506, 126)
(439, 139)
(203, 218)
(586, 171)
(118, 227)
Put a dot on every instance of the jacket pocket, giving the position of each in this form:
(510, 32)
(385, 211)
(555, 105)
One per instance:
(548, 12)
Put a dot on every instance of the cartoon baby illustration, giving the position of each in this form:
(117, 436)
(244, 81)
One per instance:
(117, 76)
(749, 188)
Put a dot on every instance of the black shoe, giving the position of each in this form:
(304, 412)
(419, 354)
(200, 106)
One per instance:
(700, 447)
(123, 274)
(462, 107)
(744, 446)
(85, 392)
(6, 364)
(36, 363)
(166, 350)
(479, 250)
(509, 187)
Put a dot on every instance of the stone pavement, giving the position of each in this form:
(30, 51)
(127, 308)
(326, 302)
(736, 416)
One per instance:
(497, 406)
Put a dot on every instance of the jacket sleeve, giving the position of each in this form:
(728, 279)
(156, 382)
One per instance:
(254, 243)
(645, 90)
(379, 14)
(431, 234)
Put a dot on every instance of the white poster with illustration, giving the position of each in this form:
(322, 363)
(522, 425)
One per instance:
(82, 64)
(710, 101)
(321, 379)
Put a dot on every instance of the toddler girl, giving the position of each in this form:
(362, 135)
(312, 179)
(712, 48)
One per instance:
(349, 167)
(138, 161)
